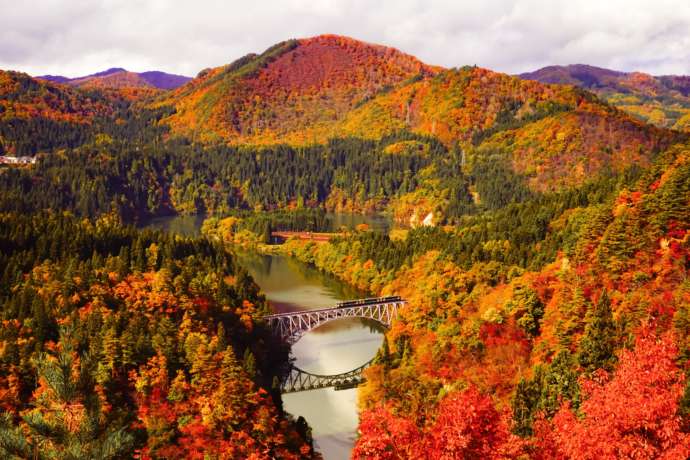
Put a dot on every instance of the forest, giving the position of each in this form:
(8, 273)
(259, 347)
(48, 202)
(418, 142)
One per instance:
(119, 342)
(548, 303)
(562, 336)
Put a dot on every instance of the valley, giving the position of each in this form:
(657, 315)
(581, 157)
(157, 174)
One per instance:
(537, 227)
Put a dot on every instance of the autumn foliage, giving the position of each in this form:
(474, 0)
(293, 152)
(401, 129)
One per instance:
(588, 353)
(467, 426)
(632, 414)
(293, 92)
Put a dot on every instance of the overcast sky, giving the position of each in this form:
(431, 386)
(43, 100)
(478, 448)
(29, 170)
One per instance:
(77, 37)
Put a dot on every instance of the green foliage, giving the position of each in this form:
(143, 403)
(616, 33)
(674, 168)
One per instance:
(549, 387)
(496, 183)
(528, 310)
(138, 180)
(597, 347)
(68, 421)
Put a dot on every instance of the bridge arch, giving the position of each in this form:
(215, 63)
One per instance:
(299, 380)
(290, 327)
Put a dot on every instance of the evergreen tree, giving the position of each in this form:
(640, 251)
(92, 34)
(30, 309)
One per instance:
(596, 350)
(249, 363)
(525, 403)
(67, 421)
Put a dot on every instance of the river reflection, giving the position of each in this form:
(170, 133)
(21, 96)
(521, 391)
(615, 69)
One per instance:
(333, 348)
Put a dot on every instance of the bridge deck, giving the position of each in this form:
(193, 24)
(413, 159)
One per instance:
(347, 304)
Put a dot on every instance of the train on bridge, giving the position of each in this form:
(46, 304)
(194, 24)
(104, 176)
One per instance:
(368, 301)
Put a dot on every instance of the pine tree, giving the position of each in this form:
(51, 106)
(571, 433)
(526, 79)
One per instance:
(560, 384)
(596, 350)
(221, 342)
(525, 403)
(249, 363)
(111, 347)
(383, 356)
(67, 421)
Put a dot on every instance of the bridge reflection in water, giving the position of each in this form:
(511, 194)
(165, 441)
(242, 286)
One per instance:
(290, 327)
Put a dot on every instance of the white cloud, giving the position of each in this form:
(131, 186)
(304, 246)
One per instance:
(77, 37)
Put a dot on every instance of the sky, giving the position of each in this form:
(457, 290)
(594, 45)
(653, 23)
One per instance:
(79, 37)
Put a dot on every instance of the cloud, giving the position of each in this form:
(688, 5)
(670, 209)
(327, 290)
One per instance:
(78, 37)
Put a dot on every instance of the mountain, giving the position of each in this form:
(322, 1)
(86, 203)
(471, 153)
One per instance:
(306, 91)
(38, 115)
(164, 80)
(660, 100)
(120, 78)
(296, 91)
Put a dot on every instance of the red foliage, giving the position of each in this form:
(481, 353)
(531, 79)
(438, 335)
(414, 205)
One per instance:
(468, 426)
(631, 415)
(385, 436)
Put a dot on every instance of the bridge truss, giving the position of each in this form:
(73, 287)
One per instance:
(290, 327)
(299, 380)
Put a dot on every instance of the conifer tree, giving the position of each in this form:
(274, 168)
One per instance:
(596, 350)
(68, 421)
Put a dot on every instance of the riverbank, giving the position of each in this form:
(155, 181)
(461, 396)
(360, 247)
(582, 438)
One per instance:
(290, 285)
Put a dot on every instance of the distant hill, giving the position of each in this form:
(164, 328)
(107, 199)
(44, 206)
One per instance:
(661, 100)
(307, 91)
(120, 78)
(39, 115)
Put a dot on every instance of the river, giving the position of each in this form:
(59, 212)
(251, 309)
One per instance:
(333, 348)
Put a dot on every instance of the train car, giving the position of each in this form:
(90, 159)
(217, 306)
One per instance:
(368, 301)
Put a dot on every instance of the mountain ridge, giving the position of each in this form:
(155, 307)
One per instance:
(294, 93)
(663, 100)
(118, 77)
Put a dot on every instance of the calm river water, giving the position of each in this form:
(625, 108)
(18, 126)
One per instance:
(336, 347)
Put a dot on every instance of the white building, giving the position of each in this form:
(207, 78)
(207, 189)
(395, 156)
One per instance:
(17, 160)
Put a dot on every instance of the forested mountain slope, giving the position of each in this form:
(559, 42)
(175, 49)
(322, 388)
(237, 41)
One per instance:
(660, 100)
(307, 91)
(568, 316)
(293, 92)
(40, 116)
(548, 301)
(555, 135)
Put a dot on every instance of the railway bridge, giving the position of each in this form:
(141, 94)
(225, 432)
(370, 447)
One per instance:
(290, 327)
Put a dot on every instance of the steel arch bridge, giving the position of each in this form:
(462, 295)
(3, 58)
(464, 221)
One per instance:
(290, 327)
(299, 380)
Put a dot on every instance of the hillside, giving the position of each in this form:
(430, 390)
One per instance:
(295, 91)
(660, 100)
(37, 115)
(307, 91)
(553, 135)
(547, 309)
(557, 328)
(131, 355)
(118, 78)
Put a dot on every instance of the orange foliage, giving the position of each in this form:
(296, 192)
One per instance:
(296, 98)
(24, 97)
